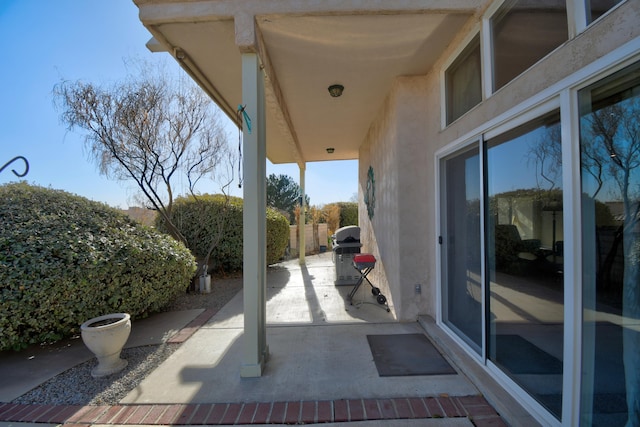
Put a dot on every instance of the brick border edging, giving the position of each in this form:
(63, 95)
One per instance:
(476, 408)
(185, 333)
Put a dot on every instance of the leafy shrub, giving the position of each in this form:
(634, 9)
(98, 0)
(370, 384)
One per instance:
(277, 235)
(65, 259)
(348, 213)
(202, 220)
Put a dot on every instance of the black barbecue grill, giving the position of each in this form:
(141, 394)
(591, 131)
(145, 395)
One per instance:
(346, 243)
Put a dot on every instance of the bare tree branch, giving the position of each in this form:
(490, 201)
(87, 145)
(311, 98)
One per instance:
(149, 129)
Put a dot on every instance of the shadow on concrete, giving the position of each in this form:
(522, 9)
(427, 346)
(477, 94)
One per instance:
(318, 350)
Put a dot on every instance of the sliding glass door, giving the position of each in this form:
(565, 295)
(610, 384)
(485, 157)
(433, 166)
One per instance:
(502, 251)
(462, 262)
(525, 257)
(502, 254)
(610, 172)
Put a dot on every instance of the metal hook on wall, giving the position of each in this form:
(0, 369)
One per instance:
(16, 173)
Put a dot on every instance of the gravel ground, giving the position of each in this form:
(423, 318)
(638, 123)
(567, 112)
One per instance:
(76, 386)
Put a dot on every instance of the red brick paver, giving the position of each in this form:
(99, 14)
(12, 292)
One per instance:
(341, 411)
(262, 413)
(325, 410)
(308, 413)
(293, 413)
(403, 408)
(419, 408)
(388, 409)
(372, 410)
(183, 334)
(277, 413)
(216, 413)
(246, 413)
(475, 408)
(233, 411)
(356, 409)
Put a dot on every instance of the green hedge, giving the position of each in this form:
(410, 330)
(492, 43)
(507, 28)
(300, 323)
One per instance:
(65, 259)
(199, 222)
(348, 213)
(277, 235)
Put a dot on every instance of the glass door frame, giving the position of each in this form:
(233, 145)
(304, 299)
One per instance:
(572, 202)
(563, 94)
(441, 260)
(569, 177)
(523, 118)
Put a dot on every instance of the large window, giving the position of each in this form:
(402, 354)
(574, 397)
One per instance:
(597, 8)
(463, 82)
(523, 32)
(525, 257)
(610, 163)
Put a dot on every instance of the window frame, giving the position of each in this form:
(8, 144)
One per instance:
(453, 57)
(462, 56)
(563, 93)
(487, 27)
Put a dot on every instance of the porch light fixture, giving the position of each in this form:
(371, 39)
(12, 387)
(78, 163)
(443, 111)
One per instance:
(336, 90)
(330, 150)
(180, 55)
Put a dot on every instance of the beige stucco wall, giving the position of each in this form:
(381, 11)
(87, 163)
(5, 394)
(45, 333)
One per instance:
(379, 234)
(401, 146)
(398, 233)
(416, 195)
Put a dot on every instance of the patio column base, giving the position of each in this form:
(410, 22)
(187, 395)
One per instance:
(255, 370)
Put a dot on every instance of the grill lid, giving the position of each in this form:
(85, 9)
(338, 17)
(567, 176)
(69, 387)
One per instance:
(348, 234)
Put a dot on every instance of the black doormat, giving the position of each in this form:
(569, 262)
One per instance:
(520, 356)
(407, 355)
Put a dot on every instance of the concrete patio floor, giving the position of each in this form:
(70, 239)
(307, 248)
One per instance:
(317, 342)
(320, 370)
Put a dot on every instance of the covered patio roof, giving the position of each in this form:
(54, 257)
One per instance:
(305, 46)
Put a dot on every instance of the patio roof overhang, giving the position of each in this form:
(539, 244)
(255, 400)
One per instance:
(305, 46)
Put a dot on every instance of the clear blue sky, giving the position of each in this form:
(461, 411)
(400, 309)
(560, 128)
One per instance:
(45, 41)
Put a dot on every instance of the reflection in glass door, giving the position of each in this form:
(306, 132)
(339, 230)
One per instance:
(610, 175)
(462, 290)
(525, 257)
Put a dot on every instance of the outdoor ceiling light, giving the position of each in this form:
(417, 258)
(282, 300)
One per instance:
(330, 150)
(336, 90)
(180, 55)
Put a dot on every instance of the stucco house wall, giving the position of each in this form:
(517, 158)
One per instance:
(397, 233)
(416, 195)
(401, 146)
(379, 234)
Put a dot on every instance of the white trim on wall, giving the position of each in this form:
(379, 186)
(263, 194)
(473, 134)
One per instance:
(523, 117)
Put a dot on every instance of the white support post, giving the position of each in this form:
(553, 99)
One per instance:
(302, 243)
(255, 349)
